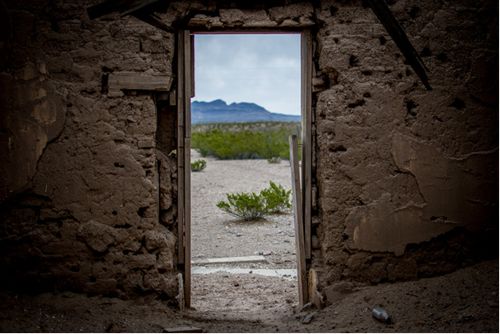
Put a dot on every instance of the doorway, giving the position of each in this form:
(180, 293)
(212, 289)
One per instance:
(255, 250)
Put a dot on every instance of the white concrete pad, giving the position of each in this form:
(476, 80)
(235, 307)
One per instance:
(283, 273)
(238, 259)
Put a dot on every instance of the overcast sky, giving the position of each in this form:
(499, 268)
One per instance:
(264, 69)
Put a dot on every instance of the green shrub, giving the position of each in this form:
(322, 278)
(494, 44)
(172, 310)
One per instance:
(247, 206)
(253, 206)
(277, 198)
(198, 165)
(274, 160)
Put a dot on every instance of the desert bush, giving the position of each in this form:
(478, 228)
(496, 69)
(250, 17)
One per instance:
(244, 141)
(253, 206)
(277, 198)
(247, 206)
(198, 165)
(274, 160)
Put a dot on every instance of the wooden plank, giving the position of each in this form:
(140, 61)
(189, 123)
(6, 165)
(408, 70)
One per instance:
(180, 147)
(384, 14)
(118, 81)
(192, 67)
(236, 259)
(187, 169)
(298, 222)
(306, 101)
(188, 66)
(152, 20)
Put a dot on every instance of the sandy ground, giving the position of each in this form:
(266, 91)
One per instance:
(218, 234)
(463, 301)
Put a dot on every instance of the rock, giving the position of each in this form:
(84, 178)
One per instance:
(308, 318)
(97, 236)
(154, 240)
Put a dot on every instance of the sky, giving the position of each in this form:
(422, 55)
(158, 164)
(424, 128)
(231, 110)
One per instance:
(263, 69)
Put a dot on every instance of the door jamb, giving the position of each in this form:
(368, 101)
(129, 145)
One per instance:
(185, 90)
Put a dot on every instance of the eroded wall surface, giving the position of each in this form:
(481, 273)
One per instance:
(80, 183)
(407, 177)
(404, 179)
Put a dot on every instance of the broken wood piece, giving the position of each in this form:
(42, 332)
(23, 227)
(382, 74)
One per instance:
(184, 329)
(119, 81)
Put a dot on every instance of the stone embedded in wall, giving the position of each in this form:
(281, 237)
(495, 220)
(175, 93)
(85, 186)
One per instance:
(97, 236)
(245, 18)
(298, 11)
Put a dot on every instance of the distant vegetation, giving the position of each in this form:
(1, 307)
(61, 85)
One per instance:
(260, 140)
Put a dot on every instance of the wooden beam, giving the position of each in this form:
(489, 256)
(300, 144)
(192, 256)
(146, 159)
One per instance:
(105, 7)
(180, 147)
(118, 81)
(138, 6)
(384, 14)
(152, 20)
(306, 103)
(186, 40)
(298, 222)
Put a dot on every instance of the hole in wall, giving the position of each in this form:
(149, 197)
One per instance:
(141, 212)
(426, 52)
(442, 57)
(353, 61)
(410, 107)
(458, 104)
(414, 12)
(357, 103)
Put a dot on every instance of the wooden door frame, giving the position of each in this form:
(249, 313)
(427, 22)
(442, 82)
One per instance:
(185, 90)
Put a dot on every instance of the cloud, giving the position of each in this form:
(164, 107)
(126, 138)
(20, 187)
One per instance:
(264, 69)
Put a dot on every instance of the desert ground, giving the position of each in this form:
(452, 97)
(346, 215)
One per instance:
(227, 300)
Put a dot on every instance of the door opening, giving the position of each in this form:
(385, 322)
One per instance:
(236, 132)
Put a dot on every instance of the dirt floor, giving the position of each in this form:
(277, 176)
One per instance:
(463, 301)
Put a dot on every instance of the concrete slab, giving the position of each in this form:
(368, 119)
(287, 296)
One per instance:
(237, 259)
(283, 273)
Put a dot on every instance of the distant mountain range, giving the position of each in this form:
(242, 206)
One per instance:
(218, 111)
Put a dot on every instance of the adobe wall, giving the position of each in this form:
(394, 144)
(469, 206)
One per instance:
(407, 178)
(79, 189)
(404, 178)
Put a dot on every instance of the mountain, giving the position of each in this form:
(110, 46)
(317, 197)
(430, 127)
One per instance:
(218, 111)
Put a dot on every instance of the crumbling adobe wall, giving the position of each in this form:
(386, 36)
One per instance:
(80, 186)
(406, 177)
